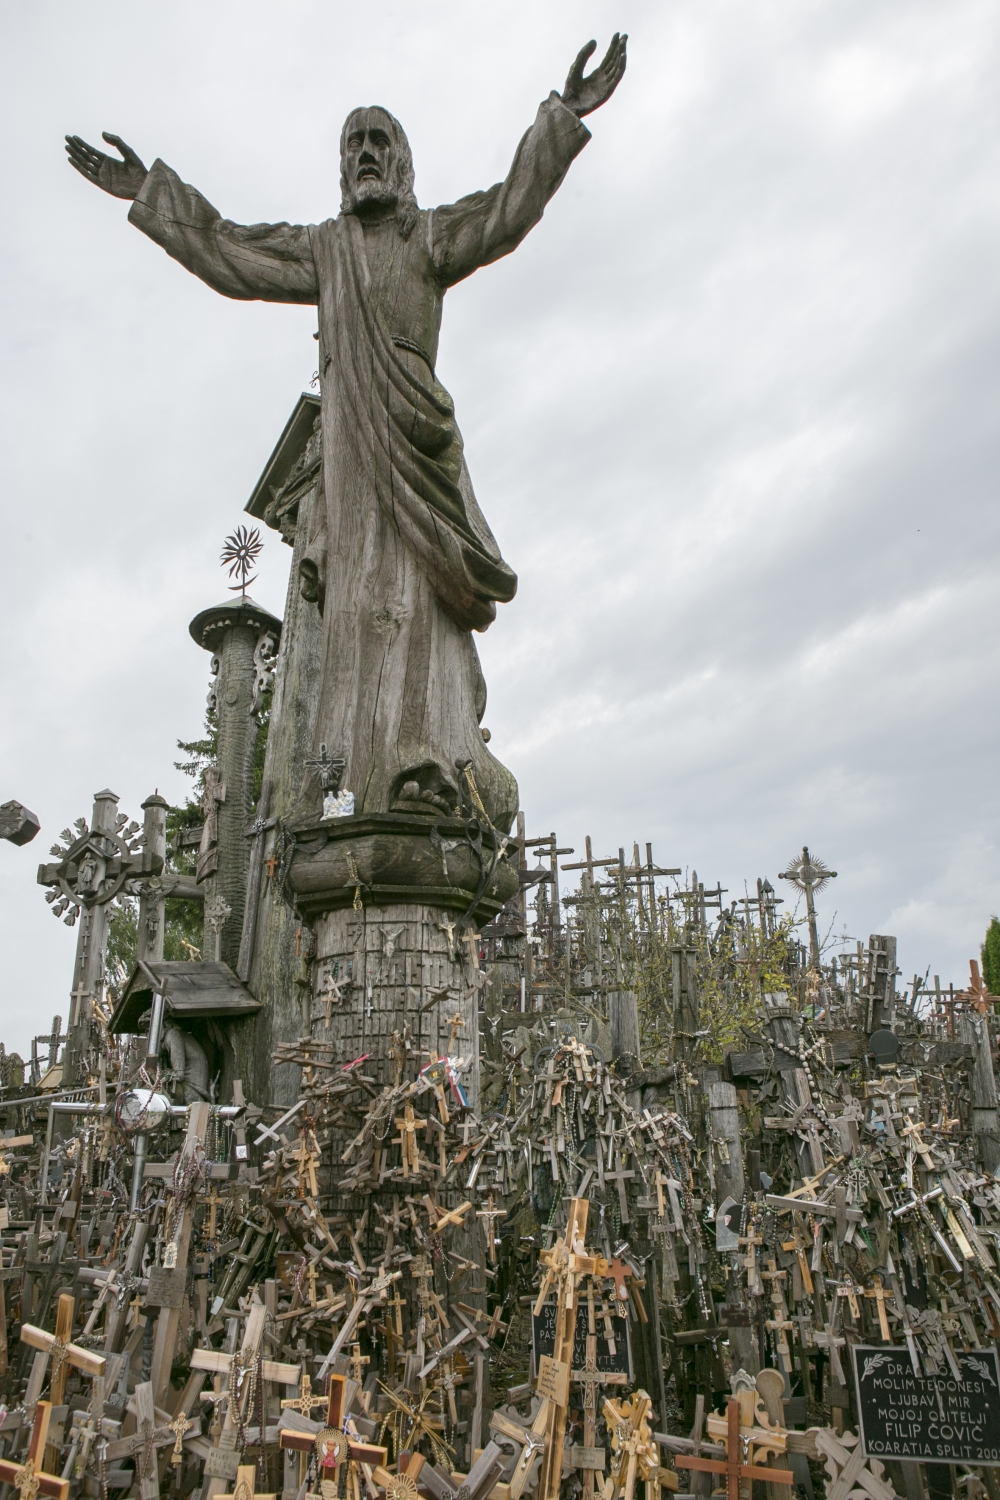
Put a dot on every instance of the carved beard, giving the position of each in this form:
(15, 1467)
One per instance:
(374, 190)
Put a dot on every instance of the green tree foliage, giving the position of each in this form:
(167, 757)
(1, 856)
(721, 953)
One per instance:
(183, 920)
(991, 956)
(182, 930)
(123, 933)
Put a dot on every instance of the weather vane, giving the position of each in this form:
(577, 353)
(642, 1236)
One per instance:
(240, 551)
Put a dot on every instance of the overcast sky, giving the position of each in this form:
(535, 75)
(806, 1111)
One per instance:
(732, 412)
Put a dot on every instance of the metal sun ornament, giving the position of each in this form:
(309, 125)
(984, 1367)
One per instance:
(808, 873)
(240, 550)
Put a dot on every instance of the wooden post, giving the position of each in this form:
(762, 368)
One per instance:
(149, 933)
(168, 1321)
(975, 1030)
(730, 1183)
(623, 1020)
(562, 1354)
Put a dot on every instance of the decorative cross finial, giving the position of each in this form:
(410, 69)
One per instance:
(240, 550)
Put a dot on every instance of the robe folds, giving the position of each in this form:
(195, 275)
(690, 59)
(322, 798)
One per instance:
(409, 563)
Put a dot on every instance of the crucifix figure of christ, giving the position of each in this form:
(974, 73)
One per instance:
(413, 565)
(738, 1465)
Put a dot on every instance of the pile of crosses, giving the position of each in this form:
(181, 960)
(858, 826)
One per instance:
(658, 1252)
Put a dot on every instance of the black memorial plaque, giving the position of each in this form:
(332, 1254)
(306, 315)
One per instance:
(543, 1341)
(931, 1420)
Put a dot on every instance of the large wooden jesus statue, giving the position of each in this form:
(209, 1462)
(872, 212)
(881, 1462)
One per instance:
(405, 567)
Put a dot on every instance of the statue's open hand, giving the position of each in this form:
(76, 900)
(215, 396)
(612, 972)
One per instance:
(582, 95)
(122, 179)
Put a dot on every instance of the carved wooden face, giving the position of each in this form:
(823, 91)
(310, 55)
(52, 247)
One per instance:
(368, 163)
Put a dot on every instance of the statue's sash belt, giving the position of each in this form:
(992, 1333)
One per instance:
(401, 342)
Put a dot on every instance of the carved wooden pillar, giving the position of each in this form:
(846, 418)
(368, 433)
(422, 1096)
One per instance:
(151, 902)
(243, 638)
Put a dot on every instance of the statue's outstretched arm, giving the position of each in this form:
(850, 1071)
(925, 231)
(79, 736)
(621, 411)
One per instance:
(485, 226)
(265, 262)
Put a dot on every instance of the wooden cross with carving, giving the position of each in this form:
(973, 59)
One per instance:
(454, 1023)
(735, 1471)
(779, 1323)
(244, 1486)
(878, 1291)
(307, 1161)
(179, 1426)
(799, 1244)
(490, 1214)
(29, 1478)
(304, 1402)
(408, 1125)
(213, 1200)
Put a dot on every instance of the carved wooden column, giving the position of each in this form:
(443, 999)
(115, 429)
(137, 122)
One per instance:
(243, 638)
(151, 900)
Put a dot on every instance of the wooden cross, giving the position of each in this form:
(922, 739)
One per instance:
(590, 1378)
(472, 938)
(270, 865)
(304, 1402)
(454, 1023)
(751, 1240)
(497, 1325)
(307, 1161)
(567, 1262)
(397, 1304)
(532, 1441)
(63, 1353)
(408, 1126)
(358, 1362)
(219, 1363)
(143, 1443)
(780, 1322)
(490, 1214)
(618, 1177)
(29, 1478)
(168, 1322)
(849, 1288)
(731, 1466)
(635, 1454)
(213, 1200)
(244, 1487)
(617, 1272)
(917, 1143)
(440, 1219)
(825, 1338)
(800, 1245)
(878, 1291)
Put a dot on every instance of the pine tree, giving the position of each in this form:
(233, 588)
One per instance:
(991, 956)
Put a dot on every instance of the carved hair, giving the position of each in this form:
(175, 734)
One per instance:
(401, 172)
